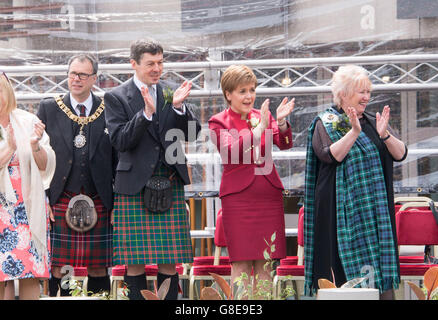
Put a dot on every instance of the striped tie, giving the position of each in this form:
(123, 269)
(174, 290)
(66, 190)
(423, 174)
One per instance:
(81, 108)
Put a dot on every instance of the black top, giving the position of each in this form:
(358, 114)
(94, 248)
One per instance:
(326, 256)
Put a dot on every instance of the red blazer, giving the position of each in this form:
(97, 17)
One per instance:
(233, 138)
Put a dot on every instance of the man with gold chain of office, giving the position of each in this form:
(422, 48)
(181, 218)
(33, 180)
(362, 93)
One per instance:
(81, 191)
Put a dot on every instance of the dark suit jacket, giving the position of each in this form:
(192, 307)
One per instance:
(137, 140)
(102, 156)
(238, 176)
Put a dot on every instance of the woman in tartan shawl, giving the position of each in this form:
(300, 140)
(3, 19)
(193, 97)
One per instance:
(349, 220)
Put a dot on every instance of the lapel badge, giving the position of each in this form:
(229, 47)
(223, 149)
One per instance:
(106, 130)
(330, 117)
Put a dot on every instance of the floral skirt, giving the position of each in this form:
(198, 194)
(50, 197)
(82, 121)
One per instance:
(18, 257)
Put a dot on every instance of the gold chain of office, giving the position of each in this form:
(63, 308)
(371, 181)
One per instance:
(82, 121)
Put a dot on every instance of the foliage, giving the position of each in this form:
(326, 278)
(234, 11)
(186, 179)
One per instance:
(158, 295)
(168, 96)
(76, 290)
(244, 289)
(430, 289)
(342, 124)
(327, 284)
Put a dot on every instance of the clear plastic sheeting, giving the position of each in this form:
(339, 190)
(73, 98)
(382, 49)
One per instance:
(287, 43)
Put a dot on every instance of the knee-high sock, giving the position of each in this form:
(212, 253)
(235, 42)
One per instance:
(54, 284)
(172, 294)
(135, 285)
(98, 284)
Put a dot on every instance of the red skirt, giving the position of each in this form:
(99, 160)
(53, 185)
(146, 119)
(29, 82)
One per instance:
(250, 217)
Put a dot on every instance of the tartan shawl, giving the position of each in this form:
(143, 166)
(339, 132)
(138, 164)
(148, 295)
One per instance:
(364, 231)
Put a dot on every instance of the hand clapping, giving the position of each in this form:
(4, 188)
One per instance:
(354, 120)
(285, 108)
(11, 138)
(265, 113)
(38, 131)
(181, 94)
(382, 121)
(149, 104)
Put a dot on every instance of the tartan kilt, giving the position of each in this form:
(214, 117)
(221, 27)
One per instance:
(144, 237)
(89, 249)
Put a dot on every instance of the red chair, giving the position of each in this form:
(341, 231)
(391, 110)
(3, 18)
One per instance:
(413, 203)
(151, 270)
(416, 225)
(287, 269)
(220, 264)
(220, 242)
(298, 259)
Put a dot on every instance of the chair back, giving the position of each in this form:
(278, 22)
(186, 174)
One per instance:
(400, 201)
(300, 236)
(416, 225)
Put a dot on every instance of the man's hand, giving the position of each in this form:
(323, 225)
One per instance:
(181, 94)
(149, 104)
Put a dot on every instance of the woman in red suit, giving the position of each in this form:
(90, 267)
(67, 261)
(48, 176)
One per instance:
(251, 189)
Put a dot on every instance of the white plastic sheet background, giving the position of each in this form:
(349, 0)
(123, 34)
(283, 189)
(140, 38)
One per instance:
(48, 32)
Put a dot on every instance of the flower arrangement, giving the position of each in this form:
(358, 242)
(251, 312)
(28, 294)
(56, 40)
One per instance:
(263, 289)
(342, 124)
(76, 290)
(168, 96)
(253, 121)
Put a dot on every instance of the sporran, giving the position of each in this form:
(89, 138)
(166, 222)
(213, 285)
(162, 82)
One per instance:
(158, 194)
(81, 216)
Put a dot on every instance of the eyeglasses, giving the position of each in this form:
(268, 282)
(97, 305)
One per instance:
(4, 73)
(82, 76)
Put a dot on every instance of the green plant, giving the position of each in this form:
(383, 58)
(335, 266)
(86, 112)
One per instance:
(244, 289)
(430, 289)
(76, 290)
(342, 124)
(160, 294)
(168, 96)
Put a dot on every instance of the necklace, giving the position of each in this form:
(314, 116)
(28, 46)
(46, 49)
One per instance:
(80, 140)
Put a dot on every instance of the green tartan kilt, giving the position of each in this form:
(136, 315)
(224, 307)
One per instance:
(144, 237)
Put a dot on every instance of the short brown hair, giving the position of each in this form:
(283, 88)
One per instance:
(236, 75)
(141, 46)
(8, 92)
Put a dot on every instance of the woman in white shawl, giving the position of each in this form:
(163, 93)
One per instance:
(27, 164)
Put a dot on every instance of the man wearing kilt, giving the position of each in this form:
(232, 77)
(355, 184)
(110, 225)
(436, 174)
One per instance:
(148, 228)
(81, 191)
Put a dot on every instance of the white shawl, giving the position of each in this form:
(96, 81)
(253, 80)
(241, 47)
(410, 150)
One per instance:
(33, 180)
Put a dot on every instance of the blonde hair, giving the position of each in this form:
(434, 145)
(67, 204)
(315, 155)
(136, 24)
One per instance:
(346, 79)
(8, 92)
(234, 76)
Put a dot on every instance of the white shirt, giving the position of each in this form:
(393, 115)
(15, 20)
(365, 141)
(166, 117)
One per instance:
(88, 103)
(139, 84)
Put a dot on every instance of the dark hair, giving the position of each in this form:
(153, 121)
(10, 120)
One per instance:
(141, 46)
(82, 57)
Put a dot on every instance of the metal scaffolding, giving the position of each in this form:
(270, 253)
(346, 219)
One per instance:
(277, 77)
